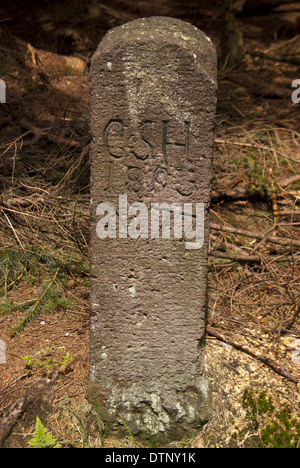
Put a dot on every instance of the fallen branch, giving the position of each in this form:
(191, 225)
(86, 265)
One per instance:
(11, 416)
(51, 136)
(289, 180)
(256, 235)
(253, 258)
(273, 58)
(264, 360)
(14, 412)
(232, 195)
(289, 213)
(242, 194)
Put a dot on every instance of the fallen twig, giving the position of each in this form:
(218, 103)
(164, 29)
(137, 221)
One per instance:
(273, 58)
(11, 416)
(289, 180)
(51, 136)
(253, 258)
(256, 235)
(232, 194)
(289, 213)
(264, 360)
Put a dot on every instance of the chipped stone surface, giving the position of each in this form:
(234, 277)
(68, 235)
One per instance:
(153, 110)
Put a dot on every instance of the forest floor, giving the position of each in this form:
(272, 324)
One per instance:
(253, 334)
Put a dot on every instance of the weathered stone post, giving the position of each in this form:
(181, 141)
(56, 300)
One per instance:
(153, 102)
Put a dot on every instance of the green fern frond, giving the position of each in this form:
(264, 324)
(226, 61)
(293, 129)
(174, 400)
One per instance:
(57, 259)
(42, 437)
(13, 267)
(10, 307)
(48, 298)
(49, 268)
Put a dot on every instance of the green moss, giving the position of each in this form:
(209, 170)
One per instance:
(278, 429)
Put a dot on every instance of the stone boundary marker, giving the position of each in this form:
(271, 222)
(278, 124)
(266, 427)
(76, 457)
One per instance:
(153, 101)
